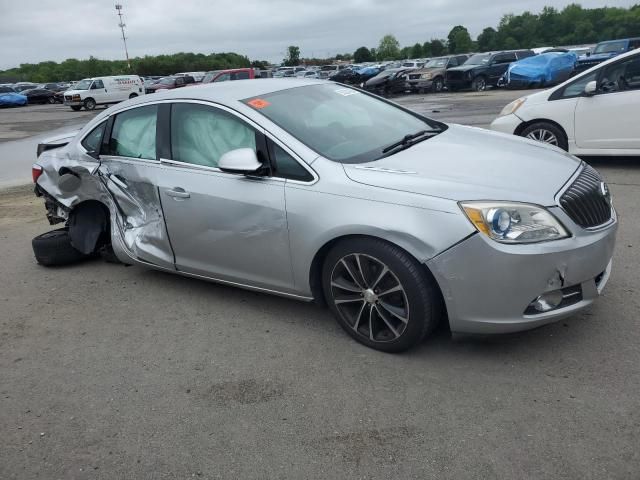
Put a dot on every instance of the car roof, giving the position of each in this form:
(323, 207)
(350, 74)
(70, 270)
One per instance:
(231, 92)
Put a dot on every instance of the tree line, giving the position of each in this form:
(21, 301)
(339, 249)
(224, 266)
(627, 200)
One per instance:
(573, 25)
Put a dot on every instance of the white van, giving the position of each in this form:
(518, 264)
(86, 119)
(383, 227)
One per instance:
(90, 92)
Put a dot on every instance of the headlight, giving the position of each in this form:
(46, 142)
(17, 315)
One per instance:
(426, 76)
(514, 222)
(513, 106)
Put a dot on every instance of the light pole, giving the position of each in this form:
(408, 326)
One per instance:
(124, 39)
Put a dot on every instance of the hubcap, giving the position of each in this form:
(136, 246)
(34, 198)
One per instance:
(369, 297)
(544, 136)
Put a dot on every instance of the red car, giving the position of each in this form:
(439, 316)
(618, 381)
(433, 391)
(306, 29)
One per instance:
(227, 75)
(169, 83)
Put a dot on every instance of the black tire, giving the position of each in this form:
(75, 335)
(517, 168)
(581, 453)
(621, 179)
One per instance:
(89, 104)
(51, 100)
(437, 85)
(542, 132)
(133, 95)
(418, 297)
(54, 248)
(76, 108)
(479, 83)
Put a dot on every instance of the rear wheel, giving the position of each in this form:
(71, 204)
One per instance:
(546, 132)
(54, 248)
(479, 84)
(379, 294)
(133, 95)
(89, 104)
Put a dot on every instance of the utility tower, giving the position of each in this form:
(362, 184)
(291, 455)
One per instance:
(124, 39)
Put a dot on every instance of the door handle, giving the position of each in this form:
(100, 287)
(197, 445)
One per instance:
(177, 192)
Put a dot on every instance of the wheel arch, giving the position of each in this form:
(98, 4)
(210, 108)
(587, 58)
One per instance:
(89, 225)
(315, 270)
(520, 128)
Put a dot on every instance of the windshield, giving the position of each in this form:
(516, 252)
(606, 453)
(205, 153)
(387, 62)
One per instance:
(479, 59)
(209, 76)
(7, 90)
(83, 84)
(340, 123)
(329, 67)
(611, 47)
(436, 63)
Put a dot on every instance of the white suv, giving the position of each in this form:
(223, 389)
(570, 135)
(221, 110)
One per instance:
(594, 113)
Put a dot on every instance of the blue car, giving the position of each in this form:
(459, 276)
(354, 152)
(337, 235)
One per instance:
(544, 70)
(605, 51)
(9, 98)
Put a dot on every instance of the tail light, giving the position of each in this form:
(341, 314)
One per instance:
(36, 171)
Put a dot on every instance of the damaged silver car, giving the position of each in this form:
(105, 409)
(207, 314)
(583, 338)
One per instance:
(317, 191)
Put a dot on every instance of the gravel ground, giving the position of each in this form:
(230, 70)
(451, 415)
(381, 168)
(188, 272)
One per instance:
(117, 372)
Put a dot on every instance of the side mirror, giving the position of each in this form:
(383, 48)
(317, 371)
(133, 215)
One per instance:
(591, 88)
(242, 160)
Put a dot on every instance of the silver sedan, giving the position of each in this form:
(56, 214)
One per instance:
(318, 191)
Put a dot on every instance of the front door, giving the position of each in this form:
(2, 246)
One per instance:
(98, 92)
(221, 225)
(129, 168)
(610, 119)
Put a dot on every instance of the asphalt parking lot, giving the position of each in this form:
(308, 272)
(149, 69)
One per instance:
(112, 372)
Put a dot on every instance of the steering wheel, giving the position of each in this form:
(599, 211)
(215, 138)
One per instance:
(608, 86)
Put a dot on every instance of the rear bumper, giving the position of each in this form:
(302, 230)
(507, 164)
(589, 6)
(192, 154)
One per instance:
(488, 286)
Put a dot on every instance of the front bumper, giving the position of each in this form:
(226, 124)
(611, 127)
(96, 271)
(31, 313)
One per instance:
(73, 103)
(418, 84)
(488, 286)
(506, 124)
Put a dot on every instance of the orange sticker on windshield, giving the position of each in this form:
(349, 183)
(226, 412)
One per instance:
(258, 103)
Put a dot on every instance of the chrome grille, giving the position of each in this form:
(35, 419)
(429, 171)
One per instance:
(587, 200)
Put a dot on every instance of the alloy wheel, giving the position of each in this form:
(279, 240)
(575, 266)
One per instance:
(369, 297)
(544, 136)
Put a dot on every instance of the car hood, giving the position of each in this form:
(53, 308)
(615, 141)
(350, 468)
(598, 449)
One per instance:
(431, 70)
(466, 163)
(74, 92)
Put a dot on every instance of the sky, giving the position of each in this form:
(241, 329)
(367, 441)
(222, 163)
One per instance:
(41, 30)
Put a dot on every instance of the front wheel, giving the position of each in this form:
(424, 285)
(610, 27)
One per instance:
(546, 132)
(89, 104)
(379, 294)
(76, 108)
(51, 100)
(479, 84)
(437, 85)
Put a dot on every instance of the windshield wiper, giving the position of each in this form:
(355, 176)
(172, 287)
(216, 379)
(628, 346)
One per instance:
(410, 140)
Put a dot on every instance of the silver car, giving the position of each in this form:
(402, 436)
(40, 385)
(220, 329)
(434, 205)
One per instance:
(317, 191)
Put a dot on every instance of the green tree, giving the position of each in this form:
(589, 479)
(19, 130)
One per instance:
(426, 49)
(293, 56)
(405, 53)
(363, 54)
(389, 48)
(416, 51)
(459, 40)
(438, 48)
(488, 40)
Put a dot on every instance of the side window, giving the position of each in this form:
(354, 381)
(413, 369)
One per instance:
(179, 81)
(288, 167)
(576, 88)
(242, 76)
(633, 44)
(94, 138)
(200, 135)
(453, 62)
(134, 133)
(621, 76)
(223, 78)
(462, 59)
(97, 84)
(504, 58)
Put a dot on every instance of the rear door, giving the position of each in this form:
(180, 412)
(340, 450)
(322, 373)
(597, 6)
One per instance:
(610, 119)
(129, 167)
(225, 226)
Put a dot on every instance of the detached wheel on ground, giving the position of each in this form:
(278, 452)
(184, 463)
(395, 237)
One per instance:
(546, 132)
(89, 104)
(479, 84)
(54, 248)
(379, 294)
